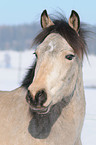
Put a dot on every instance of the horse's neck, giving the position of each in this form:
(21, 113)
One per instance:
(41, 126)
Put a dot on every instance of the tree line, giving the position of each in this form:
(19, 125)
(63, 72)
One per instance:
(20, 37)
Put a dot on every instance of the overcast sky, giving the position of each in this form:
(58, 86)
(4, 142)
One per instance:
(14, 12)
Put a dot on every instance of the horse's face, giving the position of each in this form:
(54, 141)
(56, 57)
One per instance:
(58, 63)
(55, 74)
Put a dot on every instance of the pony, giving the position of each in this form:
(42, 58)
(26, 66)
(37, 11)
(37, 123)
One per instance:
(49, 107)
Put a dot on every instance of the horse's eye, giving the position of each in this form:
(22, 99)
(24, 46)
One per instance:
(35, 54)
(70, 56)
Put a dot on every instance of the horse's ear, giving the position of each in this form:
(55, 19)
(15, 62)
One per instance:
(45, 20)
(74, 21)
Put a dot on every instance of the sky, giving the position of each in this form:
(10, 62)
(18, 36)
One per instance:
(15, 12)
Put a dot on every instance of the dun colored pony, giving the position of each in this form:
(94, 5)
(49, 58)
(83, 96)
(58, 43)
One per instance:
(49, 107)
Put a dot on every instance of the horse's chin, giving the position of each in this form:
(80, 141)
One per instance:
(41, 110)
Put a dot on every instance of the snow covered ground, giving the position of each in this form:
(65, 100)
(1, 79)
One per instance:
(14, 65)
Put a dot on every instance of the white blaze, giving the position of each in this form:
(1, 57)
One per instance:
(51, 46)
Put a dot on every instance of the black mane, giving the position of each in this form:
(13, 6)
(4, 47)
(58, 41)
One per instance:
(29, 77)
(76, 41)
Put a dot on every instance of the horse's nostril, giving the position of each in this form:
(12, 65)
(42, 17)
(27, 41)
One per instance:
(29, 97)
(41, 97)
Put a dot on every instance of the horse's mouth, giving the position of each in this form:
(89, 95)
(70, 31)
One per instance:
(40, 110)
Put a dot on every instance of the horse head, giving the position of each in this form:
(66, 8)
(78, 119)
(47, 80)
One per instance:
(58, 62)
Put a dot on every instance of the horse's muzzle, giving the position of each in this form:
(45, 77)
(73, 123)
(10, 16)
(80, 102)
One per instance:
(37, 104)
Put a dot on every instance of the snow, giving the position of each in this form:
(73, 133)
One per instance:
(89, 128)
(12, 75)
(89, 71)
(14, 65)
